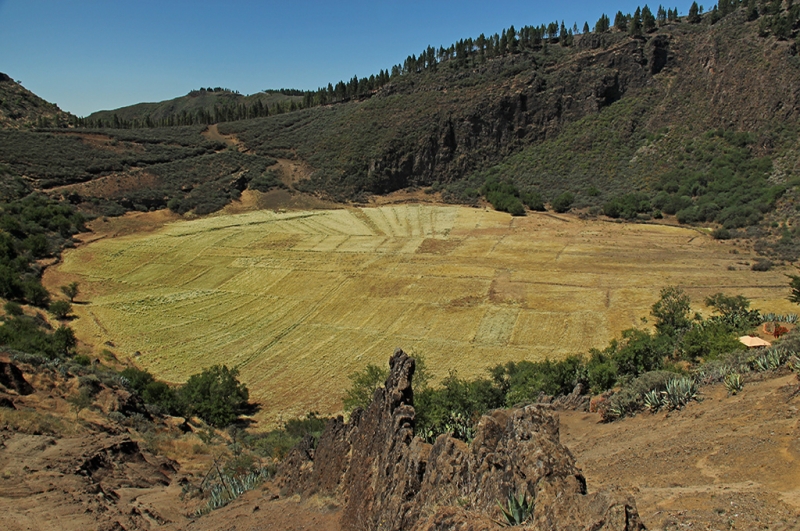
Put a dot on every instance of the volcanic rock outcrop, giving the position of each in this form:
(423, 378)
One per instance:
(387, 479)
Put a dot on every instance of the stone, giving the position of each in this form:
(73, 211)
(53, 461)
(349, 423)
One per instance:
(388, 479)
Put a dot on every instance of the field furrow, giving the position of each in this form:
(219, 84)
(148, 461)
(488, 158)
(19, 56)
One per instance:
(298, 300)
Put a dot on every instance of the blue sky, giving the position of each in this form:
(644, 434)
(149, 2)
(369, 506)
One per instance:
(90, 55)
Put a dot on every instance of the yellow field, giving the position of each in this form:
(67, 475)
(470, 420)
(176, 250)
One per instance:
(299, 300)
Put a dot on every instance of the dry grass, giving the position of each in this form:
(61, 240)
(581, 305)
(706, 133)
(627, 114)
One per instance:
(35, 422)
(298, 300)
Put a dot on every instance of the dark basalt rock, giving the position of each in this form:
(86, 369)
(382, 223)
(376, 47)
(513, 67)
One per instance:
(12, 379)
(388, 479)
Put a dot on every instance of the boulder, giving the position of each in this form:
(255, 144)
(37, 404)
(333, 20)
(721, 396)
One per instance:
(12, 379)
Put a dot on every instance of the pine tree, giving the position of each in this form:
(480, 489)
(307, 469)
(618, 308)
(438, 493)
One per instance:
(648, 20)
(661, 15)
(552, 31)
(620, 22)
(585, 28)
(603, 24)
(635, 29)
(694, 14)
(672, 15)
(511, 38)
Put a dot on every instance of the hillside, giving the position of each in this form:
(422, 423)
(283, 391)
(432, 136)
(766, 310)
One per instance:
(113, 466)
(22, 109)
(198, 106)
(628, 125)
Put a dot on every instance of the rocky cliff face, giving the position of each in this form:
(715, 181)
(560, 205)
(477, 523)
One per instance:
(528, 108)
(387, 479)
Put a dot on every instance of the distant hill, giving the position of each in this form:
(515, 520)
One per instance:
(22, 109)
(201, 106)
(694, 117)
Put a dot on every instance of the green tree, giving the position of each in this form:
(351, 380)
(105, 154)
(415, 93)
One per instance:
(694, 14)
(562, 203)
(708, 341)
(671, 311)
(635, 29)
(795, 285)
(728, 305)
(661, 15)
(362, 386)
(648, 20)
(60, 309)
(620, 22)
(585, 28)
(215, 395)
(70, 291)
(35, 293)
(64, 341)
(602, 25)
(80, 401)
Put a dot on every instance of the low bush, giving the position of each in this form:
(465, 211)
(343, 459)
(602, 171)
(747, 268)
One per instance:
(563, 202)
(631, 398)
(761, 264)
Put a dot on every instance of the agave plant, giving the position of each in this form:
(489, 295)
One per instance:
(653, 400)
(230, 487)
(733, 383)
(518, 509)
(679, 392)
(771, 359)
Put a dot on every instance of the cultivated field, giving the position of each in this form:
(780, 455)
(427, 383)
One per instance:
(298, 300)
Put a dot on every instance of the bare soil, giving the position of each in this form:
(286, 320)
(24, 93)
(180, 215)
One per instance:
(727, 462)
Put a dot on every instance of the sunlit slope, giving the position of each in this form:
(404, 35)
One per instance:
(299, 300)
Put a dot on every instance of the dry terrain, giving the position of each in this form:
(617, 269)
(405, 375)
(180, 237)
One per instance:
(720, 464)
(297, 299)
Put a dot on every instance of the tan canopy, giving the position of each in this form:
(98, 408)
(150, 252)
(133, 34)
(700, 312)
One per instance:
(753, 342)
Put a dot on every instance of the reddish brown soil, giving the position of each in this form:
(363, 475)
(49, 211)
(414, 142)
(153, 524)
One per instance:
(724, 463)
(111, 186)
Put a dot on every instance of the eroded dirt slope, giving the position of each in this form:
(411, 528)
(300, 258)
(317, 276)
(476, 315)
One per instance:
(724, 463)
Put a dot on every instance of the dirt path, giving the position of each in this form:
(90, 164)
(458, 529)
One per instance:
(212, 133)
(724, 463)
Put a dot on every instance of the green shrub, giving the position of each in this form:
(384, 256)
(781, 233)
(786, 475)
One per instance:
(708, 340)
(362, 386)
(631, 398)
(627, 206)
(266, 181)
(721, 234)
(215, 395)
(563, 202)
(761, 264)
(60, 309)
(13, 308)
(733, 383)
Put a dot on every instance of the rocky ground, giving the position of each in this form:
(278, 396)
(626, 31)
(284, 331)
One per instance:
(727, 462)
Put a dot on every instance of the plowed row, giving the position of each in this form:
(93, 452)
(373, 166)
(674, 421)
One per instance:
(299, 300)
